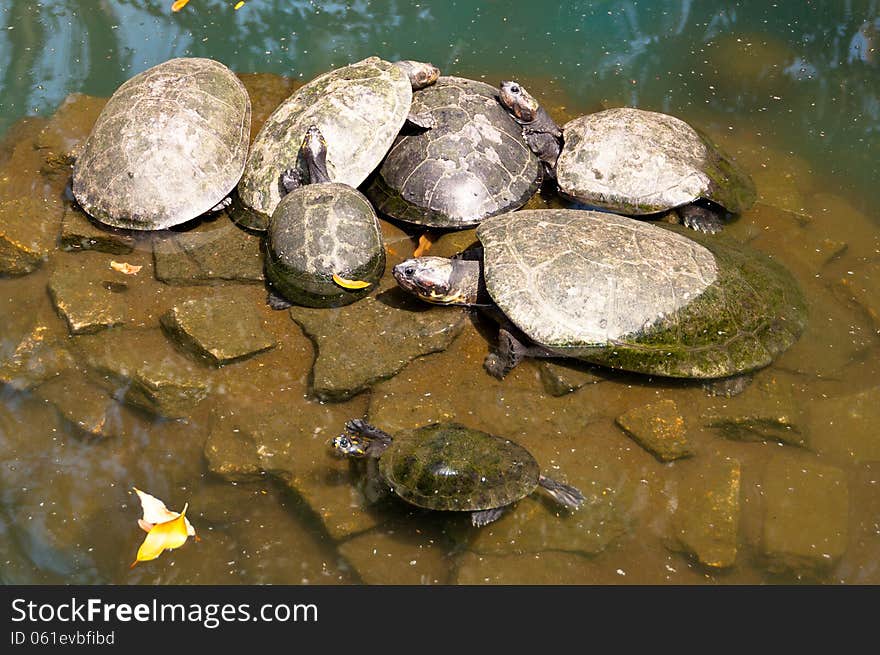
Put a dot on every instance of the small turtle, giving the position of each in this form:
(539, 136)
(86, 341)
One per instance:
(323, 244)
(473, 164)
(618, 292)
(634, 162)
(359, 108)
(169, 146)
(450, 467)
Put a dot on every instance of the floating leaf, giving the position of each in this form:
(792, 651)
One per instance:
(425, 243)
(125, 268)
(163, 536)
(155, 512)
(179, 4)
(350, 284)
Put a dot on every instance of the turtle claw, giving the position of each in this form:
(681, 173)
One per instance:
(277, 302)
(701, 219)
(486, 516)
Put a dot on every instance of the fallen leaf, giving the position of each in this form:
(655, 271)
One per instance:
(350, 284)
(239, 5)
(163, 536)
(179, 4)
(125, 267)
(155, 512)
(425, 243)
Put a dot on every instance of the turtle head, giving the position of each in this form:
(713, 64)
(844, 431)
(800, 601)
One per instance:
(430, 278)
(313, 154)
(420, 73)
(346, 445)
(518, 101)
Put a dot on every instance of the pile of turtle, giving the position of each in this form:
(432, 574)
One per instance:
(426, 151)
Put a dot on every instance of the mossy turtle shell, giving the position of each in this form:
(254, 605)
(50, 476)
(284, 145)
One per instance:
(627, 294)
(634, 161)
(170, 144)
(319, 230)
(447, 466)
(472, 164)
(359, 108)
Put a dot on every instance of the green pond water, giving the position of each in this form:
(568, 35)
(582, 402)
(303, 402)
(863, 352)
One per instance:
(782, 483)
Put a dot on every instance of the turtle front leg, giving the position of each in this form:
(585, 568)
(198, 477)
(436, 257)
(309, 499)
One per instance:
(378, 439)
(511, 351)
(702, 219)
(220, 206)
(277, 302)
(564, 494)
(486, 516)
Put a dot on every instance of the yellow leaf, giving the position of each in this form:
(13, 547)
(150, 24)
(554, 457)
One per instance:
(239, 5)
(164, 536)
(350, 284)
(125, 267)
(179, 4)
(425, 243)
(156, 512)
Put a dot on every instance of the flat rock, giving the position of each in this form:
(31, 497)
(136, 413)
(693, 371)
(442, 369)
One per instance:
(806, 515)
(659, 428)
(559, 379)
(373, 339)
(29, 229)
(142, 368)
(706, 520)
(212, 253)
(87, 294)
(845, 428)
(221, 329)
(68, 128)
(770, 409)
(385, 556)
(80, 232)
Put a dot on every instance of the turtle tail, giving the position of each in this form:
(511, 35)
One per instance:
(563, 494)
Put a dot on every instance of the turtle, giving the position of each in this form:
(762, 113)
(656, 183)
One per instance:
(634, 162)
(169, 146)
(451, 467)
(359, 108)
(618, 292)
(472, 164)
(323, 246)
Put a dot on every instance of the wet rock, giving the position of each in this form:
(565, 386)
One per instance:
(806, 515)
(214, 252)
(770, 409)
(142, 368)
(373, 339)
(80, 232)
(845, 428)
(559, 379)
(232, 453)
(87, 295)
(658, 428)
(62, 137)
(388, 556)
(536, 569)
(862, 288)
(85, 405)
(221, 329)
(29, 229)
(706, 520)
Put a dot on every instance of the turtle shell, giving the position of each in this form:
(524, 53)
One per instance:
(631, 295)
(447, 466)
(169, 145)
(473, 164)
(317, 231)
(359, 109)
(642, 162)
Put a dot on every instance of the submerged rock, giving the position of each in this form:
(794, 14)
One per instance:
(540, 568)
(845, 428)
(85, 405)
(87, 296)
(373, 339)
(143, 369)
(560, 378)
(214, 252)
(806, 515)
(29, 229)
(80, 232)
(706, 520)
(221, 329)
(659, 428)
(386, 556)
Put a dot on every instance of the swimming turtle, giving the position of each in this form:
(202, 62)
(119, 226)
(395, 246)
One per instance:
(169, 145)
(450, 467)
(618, 292)
(323, 245)
(635, 162)
(473, 164)
(359, 108)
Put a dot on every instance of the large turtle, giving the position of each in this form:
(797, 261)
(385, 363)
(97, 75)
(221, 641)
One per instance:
(635, 162)
(619, 292)
(323, 244)
(450, 467)
(471, 165)
(170, 145)
(359, 108)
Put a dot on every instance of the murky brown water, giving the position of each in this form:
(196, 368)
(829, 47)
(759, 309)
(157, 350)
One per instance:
(782, 484)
